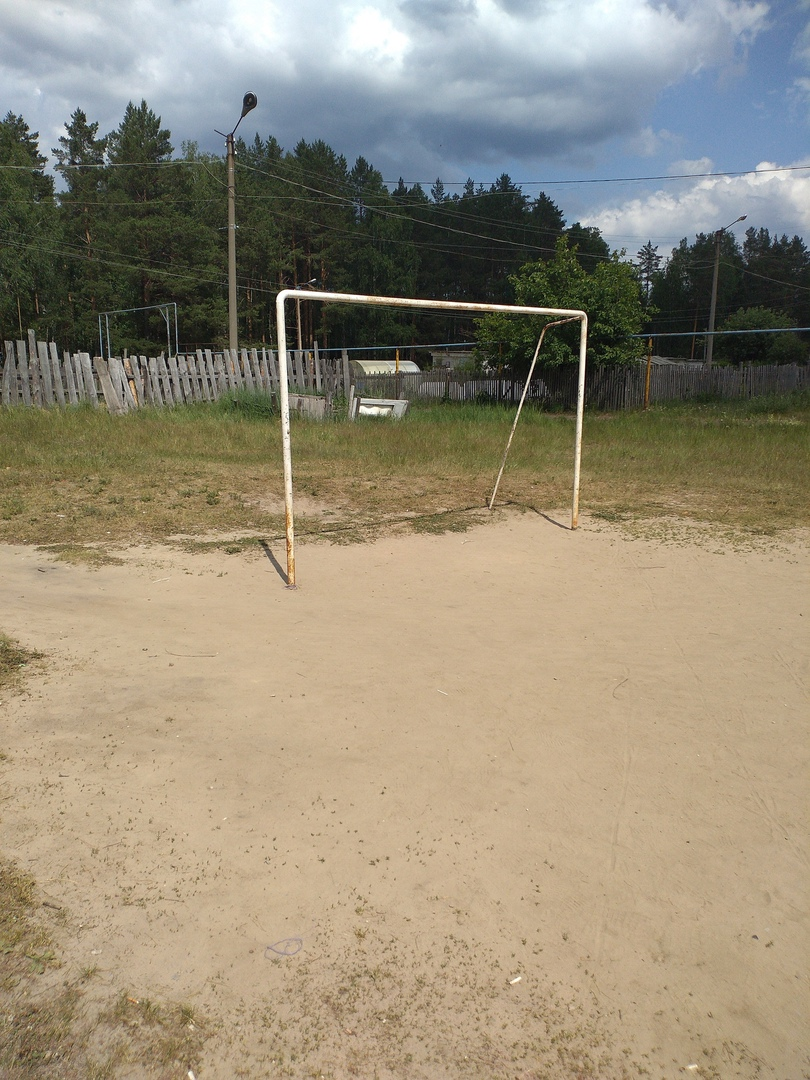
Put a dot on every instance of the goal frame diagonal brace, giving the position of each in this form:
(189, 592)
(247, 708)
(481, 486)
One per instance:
(426, 305)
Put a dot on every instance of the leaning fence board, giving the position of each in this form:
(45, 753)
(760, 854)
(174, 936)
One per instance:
(134, 381)
(10, 392)
(114, 375)
(247, 374)
(230, 371)
(45, 374)
(33, 370)
(212, 375)
(201, 368)
(142, 366)
(56, 373)
(154, 381)
(252, 376)
(269, 361)
(344, 361)
(22, 368)
(78, 373)
(137, 378)
(259, 375)
(190, 391)
(37, 397)
(299, 370)
(185, 381)
(198, 375)
(165, 380)
(89, 380)
(121, 382)
(76, 377)
(111, 398)
(255, 370)
(317, 364)
(235, 368)
(174, 378)
(220, 374)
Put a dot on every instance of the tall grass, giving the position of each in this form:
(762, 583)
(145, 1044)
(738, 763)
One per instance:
(80, 475)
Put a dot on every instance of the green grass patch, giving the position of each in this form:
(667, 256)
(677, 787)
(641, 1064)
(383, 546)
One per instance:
(77, 478)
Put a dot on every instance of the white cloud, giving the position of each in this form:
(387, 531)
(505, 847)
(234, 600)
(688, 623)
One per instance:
(522, 77)
(372, 37)
(778, 201)
(647, 143)
(690, 166)
(419, 87)
(801, 54)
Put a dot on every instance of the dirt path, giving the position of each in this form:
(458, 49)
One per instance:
(475, 805)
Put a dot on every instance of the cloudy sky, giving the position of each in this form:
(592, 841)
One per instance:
(578, 98)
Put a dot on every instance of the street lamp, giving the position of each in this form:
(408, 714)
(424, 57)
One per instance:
(718, 236)
(249, 102)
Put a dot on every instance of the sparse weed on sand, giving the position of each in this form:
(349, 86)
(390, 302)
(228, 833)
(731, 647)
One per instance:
(53, 1021)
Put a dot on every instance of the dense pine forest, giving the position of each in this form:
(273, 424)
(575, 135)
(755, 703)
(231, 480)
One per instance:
(130, 223)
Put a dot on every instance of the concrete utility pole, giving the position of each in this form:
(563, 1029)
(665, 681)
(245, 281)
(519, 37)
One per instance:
(250, 101)
(718, 236)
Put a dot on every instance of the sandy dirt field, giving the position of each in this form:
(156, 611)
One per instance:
(515, 802)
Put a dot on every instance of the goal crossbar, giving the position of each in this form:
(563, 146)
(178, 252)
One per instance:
(428, 305)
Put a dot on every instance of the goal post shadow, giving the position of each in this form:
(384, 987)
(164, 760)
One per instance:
(566, 314)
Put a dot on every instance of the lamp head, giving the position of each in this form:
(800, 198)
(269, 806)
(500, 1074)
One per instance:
(249, 101)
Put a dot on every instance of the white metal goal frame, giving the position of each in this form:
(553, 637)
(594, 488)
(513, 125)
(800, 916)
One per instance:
(428, 305)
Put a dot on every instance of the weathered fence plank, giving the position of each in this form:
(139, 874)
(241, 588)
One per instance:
(111, 398)
(202, 376)
(154, 380)
(70, 379)
(174, 378)
(22, 368)
(299, 369)
(56, 374)
(89, 379)
(9, 385)
(33, 369)
(46, 376)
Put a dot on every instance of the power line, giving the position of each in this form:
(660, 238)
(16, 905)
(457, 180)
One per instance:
(448, 183)
(620, 179)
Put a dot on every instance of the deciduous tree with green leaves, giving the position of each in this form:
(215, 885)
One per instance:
(750, 348)
(610, 297)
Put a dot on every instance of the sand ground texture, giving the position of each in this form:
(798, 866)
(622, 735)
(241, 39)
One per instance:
(517, 802)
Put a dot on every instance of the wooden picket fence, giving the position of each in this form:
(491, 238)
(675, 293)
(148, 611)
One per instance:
(609, 389)
(34, 374)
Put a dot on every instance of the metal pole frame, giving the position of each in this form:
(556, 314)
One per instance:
(713, 304)
(162, 308)
(430, 305)
(233, 333)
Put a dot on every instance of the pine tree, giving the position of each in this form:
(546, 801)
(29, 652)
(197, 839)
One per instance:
(648, 263)
(165, 252)
(26, 230)
(80, 160)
